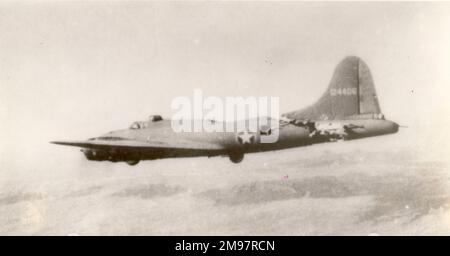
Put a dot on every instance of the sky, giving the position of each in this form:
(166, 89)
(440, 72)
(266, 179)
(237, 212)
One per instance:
(74, 70)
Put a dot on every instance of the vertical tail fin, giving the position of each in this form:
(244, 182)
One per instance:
(351, 92)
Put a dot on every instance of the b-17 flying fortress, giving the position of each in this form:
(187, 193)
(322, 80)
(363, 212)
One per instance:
(349, 109)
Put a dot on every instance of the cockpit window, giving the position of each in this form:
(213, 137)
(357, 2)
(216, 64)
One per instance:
(144, 124)
(139, 125)
(135, 126)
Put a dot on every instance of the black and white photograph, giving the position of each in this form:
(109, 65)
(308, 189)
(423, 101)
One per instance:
(205, 118)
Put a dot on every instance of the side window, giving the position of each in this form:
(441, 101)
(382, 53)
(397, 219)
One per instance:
(265, 130)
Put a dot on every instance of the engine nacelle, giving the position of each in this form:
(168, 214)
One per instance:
(113, 156)
(96, 155)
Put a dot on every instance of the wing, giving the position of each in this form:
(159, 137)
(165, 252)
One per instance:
(140, 145)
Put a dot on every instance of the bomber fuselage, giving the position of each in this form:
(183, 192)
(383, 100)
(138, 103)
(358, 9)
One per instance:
(289, 135)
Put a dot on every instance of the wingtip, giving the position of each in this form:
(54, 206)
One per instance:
(66, 143)
(58, 142)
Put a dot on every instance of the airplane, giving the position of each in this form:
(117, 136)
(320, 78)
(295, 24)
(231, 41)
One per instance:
(349, 109)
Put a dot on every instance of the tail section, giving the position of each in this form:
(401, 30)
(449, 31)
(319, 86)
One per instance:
(351, 93)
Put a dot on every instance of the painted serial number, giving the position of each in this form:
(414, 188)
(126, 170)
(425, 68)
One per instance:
(343, 91)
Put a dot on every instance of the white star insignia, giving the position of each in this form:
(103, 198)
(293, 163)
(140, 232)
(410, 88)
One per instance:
(245, 137)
